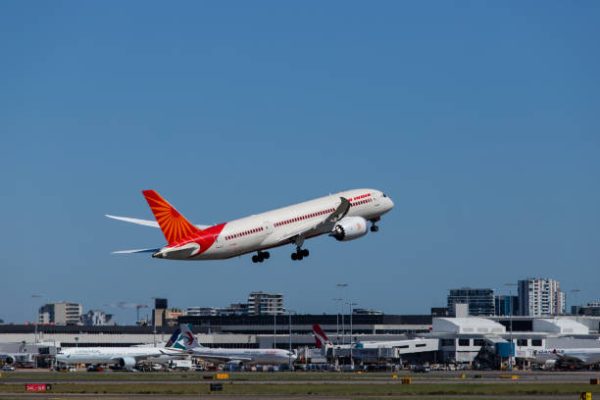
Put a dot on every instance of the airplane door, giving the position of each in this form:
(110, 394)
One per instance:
(220, 242)
(268, 226)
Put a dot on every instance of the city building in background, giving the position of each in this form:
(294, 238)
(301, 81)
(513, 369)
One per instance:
(235, 309)
(160, 310)
(366, 311)
(261, 303)
(541, 297)
(506, 305)
(202, 311)
(591, 309)
(172, 315)
(440, 312)
(61, 313)
(480, 301)
(97, 318)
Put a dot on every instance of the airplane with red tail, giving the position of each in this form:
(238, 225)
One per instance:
(344, 216)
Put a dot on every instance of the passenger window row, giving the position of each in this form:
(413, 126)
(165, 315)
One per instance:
(305, 217)
(245, 233)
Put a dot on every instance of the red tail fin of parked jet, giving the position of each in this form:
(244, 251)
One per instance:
(321, 339)
(173, 225)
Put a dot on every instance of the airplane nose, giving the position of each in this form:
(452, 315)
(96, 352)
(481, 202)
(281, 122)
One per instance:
(389, 204)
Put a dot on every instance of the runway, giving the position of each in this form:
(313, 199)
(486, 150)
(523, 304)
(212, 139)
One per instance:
(295, 385)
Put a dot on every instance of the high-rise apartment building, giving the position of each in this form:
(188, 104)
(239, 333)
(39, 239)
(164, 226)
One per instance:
(261, 303)
(541, 297)
(61, 313)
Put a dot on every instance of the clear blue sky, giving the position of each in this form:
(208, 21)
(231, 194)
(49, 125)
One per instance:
(480, 119)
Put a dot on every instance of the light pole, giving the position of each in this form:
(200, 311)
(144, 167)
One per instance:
(337, 321)
(35, 334)
(351, 304)
(574, 293)
(290, 338)
(275, 330)
(342, 287)
(154, 321)
(512, 344)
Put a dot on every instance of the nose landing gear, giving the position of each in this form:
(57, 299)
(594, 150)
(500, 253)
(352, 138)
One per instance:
(374, 228)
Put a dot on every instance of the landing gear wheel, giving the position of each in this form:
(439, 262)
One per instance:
(260, 256)
(299, 254)
(374, 228)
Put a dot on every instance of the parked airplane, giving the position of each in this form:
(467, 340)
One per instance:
(14, 358)
(344, 216)
(321, 339)
(407, 345)
(187, 342)
(323, 342)
(123, 357)
(575, 356)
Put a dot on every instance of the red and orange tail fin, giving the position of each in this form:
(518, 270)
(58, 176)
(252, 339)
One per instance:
(173, 225)
(321, 339)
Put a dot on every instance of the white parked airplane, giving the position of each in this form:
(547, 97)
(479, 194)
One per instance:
(576, 356)
(344, 216)
(187, 342)
(407, 345)
(123, 357)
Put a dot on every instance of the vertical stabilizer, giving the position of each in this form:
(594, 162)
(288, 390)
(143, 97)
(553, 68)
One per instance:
(186, 339)
(321, 339)
(173, 225)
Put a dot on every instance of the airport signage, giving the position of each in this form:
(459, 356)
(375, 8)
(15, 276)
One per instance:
(37, 387)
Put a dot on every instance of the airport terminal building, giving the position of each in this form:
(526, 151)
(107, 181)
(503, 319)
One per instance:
(444, 340)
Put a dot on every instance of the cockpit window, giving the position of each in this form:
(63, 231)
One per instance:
(384, 195)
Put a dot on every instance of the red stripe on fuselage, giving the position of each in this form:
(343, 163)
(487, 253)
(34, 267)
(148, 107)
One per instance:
(206, 238)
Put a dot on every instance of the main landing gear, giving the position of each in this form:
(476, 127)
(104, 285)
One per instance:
(300, 254)
(260, 256)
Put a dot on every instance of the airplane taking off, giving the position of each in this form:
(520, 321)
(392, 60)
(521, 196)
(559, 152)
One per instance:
(343, 215)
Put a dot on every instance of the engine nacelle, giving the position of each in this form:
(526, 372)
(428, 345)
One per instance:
(350, 228)
(8, 359)
(127, 363)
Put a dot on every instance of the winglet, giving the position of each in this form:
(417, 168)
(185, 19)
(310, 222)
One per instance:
(173, 225)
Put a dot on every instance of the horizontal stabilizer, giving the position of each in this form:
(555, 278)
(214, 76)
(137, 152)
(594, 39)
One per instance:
(136, 251)
(145, 222)
(137, 221)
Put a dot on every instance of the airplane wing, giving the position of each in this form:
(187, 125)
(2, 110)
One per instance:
(144, 222)
(223, 358)
(317, 227)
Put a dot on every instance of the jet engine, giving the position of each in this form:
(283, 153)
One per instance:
(126, 363)
(349, 228)
(8, 359)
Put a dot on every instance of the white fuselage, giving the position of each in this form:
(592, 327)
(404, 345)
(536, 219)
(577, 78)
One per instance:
(273, 228)
(245, 356)
(112, 355)
(585, 356)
